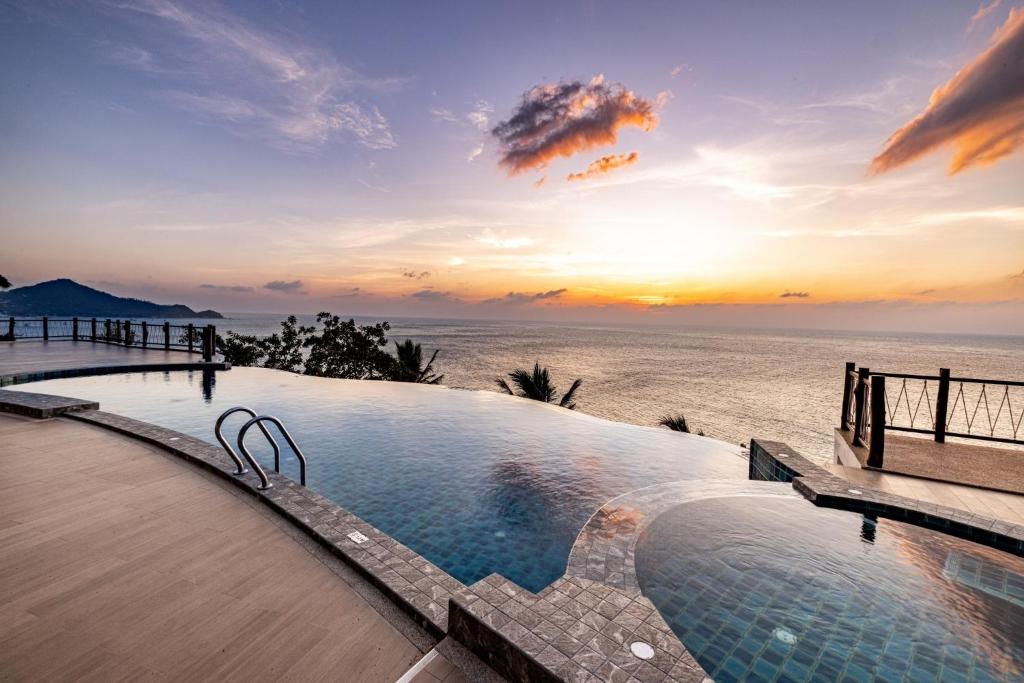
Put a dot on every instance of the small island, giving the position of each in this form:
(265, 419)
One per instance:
(67, 297)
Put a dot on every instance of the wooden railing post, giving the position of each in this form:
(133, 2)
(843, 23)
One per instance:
(10, 327)
(46, 328)
(145, 334)
(844, 420)
(106, 331)
(127, 331)
(877, 448)
(74, 328)
(860, 410)
(190, 330)
(94, 329)
(167, 336)
(941, 406)
(209, 334)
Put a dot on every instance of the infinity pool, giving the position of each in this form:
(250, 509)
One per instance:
(772, 589)
(475, 481)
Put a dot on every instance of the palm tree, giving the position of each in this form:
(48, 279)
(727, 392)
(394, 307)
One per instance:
(537, 386)
(677, 423)
(409, 366)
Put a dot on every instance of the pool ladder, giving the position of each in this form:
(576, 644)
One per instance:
(258, 420)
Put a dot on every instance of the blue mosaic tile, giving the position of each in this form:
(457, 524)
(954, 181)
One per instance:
(797, 593)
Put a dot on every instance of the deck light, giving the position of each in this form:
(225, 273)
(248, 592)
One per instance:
(641, 649)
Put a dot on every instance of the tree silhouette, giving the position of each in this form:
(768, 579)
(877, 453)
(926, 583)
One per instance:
(677, 423)
(537, 386)
(408, 365)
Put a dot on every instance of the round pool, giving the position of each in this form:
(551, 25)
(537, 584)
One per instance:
(777, 589)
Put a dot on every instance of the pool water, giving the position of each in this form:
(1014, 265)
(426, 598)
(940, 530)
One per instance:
(477, 482)
(776, 589)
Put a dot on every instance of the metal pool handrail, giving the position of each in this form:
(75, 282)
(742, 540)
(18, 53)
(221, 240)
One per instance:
(264, 481)
(240, 466)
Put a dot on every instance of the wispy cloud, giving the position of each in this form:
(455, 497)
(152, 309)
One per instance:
(795, 295)
(560, 120)
(480, 116)
(228, 288)
(286, 286)
(416, 274)
(262, 85)
(435, 296)
(678, 69)
(490, 238)
(604, 165)
(980, 112)
(524, 298)
(984, 10)
(444, 115)
(134, 57)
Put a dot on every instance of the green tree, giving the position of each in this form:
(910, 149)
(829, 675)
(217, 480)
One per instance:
(344, 349)
(284, 351)
(537, 386)
(279, 351)
(408, 365)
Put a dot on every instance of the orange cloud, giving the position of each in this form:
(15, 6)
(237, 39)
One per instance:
(604, 165)
(561, 120)
(980, 112)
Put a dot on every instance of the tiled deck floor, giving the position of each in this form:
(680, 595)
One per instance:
(37, 356)
(121, 563)
(1005, 506)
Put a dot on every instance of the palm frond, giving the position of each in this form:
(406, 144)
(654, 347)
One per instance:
(569, 396)
(677, 423)
(504, 385)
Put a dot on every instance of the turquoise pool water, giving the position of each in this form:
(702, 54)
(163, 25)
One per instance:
(474, 481)
(776, 589)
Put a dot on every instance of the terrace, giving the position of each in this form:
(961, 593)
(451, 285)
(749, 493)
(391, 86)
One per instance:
(957, 433)
(133, 518)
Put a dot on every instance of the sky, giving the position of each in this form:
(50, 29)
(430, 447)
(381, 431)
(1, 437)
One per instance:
(785, 164)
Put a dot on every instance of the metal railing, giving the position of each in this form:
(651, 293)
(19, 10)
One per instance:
(258, 420)
(239, 466)
(146, 335)
(938, 405)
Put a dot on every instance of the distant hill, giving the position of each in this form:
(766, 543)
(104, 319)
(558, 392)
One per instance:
(66, 297)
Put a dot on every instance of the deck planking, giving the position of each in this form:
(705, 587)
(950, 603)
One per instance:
(120, 563)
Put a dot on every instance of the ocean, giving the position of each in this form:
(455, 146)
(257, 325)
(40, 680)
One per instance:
(783, 385)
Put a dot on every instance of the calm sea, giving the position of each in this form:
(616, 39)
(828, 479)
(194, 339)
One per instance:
(734, 385)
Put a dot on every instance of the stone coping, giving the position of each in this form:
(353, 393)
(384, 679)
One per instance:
(41, 406)
(827, 490)
(89, 371)
(418, 586)
(580, 628)
(574, 630)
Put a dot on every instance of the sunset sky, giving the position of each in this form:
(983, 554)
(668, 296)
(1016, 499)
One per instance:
(809, 164)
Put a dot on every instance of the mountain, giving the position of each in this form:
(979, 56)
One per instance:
(66, 297)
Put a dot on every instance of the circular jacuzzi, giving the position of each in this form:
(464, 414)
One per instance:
(775, 588)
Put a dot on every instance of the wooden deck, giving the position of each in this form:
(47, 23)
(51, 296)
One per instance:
(955, 461)
(38, 356)
(120, 563)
